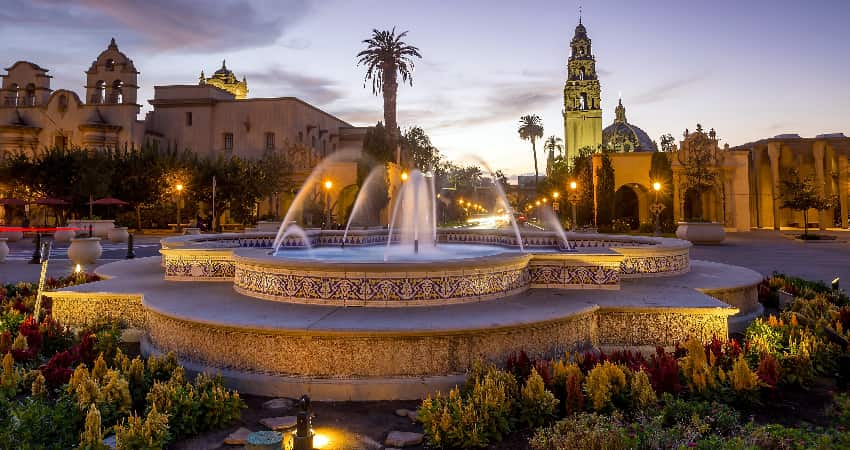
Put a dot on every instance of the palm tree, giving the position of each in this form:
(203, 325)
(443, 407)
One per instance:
(386, 57)
(531, 128)
(552, 144)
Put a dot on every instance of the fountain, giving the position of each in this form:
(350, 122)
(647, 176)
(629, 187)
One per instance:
(399, 312)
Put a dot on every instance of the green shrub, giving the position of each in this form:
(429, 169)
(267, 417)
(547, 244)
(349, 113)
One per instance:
(537, 405)
(35, 423)
(194, 407)
(472, 418)
(584, 431)
(148, 433)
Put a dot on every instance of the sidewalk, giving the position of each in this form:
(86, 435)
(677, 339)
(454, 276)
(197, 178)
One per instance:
(17, 268)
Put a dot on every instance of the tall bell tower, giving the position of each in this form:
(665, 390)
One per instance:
(582, 97)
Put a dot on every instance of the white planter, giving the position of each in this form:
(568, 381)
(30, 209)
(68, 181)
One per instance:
(191, 230)
(85, 250)
(100, 228)
(701, 232)
(118, 234)
(12, 236)
(4, 249)
(63, 235)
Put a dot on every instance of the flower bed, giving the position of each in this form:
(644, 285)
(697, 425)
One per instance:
(701, 395)
(62, 388)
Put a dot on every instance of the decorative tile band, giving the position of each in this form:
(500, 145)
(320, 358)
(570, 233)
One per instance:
(379, 288)
(189, 267)
(655, 265)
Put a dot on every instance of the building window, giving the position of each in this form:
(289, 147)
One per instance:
(313, 142)
(188, 118)
(228, 141)
(110, 65)
(117, 93)
(269, 141)
(300, 137)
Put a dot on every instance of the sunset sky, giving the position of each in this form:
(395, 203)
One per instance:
(750, 69)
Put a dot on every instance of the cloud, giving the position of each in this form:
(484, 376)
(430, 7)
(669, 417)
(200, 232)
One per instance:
(509, 101)
(312, 89)
(668, 89)
(164, 24)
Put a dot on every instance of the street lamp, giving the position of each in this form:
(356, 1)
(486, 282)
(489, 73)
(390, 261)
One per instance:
(656, 208)
(328, 185)
(179, 188)
(573, 198)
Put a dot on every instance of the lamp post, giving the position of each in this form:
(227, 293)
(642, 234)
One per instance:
(179, 189)
(656, 208)
(573, 201)
(328, 185)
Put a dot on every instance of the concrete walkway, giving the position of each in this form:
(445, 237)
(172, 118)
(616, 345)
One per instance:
(766, 251)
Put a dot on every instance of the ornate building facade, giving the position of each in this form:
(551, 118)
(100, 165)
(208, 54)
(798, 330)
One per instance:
(582, 97)
(226, 80)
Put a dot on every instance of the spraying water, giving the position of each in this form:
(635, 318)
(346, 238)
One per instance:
(552, 222)
(312, 180)
(297, 231)
(363, 196)
(412, 218)
(504, 200)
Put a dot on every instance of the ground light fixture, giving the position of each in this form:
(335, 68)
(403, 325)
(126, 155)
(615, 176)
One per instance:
(303, 439)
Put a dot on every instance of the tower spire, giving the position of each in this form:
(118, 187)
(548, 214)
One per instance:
(579, 14)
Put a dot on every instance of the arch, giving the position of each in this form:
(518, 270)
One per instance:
(99, 95)
(627, 206)
(583, 101)
(116, 95)
(110, 65)
(581, 73)
(63, 102)
(29, 99)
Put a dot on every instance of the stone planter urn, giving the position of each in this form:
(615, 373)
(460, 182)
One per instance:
(701, 232)
(64, 235)
(4, 249)
(191, 230)
(12, 236)
(118, 234)
(85, 250)
(100, 228)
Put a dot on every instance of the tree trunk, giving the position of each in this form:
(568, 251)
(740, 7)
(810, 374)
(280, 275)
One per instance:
(536, 172)
(805, 223)
(390, 90)
(138, 218)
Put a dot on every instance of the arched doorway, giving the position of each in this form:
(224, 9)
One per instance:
(627, 206)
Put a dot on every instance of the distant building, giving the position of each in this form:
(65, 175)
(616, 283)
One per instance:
(582, 97)
(210, 118)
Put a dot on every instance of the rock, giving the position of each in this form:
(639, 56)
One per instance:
(279, 423)
(110, 441)
(279, 403)
(369, 442)
(413, 416)
(403, 439)
(238, 437)
(402, 412)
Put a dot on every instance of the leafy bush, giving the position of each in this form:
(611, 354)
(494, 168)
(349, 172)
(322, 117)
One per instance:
(194, 407)
(584, 431)
(604, 383)
(537, 405)
(472, 418)
(148, 433)
(37, 423)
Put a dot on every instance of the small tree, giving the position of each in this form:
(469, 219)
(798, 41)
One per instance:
(605, 192)
(700, 162)
(802, 194)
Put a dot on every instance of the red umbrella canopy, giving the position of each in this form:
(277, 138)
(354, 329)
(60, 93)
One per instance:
(108, 201)
(12, 202)
(50, 201)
